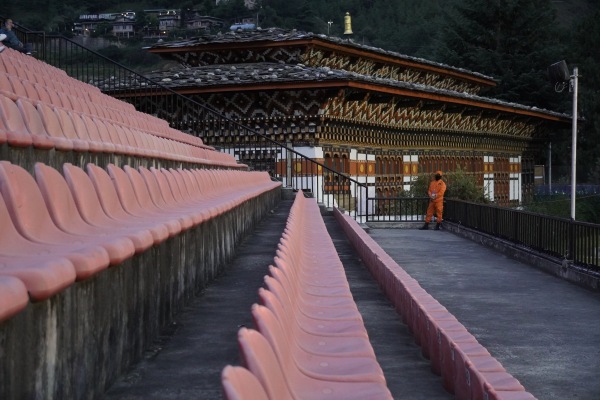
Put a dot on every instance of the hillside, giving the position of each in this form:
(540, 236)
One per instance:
(400, 25)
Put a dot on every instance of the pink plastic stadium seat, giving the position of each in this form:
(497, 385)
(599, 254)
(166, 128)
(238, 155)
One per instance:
(42, 268)
(286, 381)
(111, 204)
(239, 384)
(90, 209)
(12, 121)
(31, 218)
(132, 205)
(65, 215)
(13, 296)
(336, 368)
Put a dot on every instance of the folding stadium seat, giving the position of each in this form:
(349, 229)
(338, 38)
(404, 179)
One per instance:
(342, 369)
(31, 218)
(54, 129)
(459, 354)
(444, 333)
(429, 332)
(12, 121)
(42, 276)
(18, 87)
(336, 307)
(109, 135)
(75, 103)
(308, 264)
(493, 394)
(13, 296)
(111, 204)
(323, 341)
(35, 127)
(284, 381)
(262, 363)
(68, 129)
(96, 135)
(315, 326)
(239, 384)
(286, 273)
(467, 375)
(91, 211)
(160, 200)
(33, 94)
(128, 138)
(6, 88)
(43, 268)
(486, 381)
(7, 66)
(145, 199)
(64, 214)
(215, 202)
(131, 204)
(424, 307)
(75, 120)
(43, 95)
(199, 211)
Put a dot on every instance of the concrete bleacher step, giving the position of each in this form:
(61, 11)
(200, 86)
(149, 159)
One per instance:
(188, 363)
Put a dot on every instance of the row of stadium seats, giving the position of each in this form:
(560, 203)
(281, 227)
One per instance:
(61, 228)
(467, 368)
(111, 222)
(310, 341)
(77, 116)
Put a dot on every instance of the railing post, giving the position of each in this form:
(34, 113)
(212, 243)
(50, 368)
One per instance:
(572, 241)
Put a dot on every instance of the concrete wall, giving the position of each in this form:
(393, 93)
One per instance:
(77, 343)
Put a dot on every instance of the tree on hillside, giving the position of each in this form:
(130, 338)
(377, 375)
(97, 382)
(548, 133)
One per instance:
(231, 10)
(585, 55)
(511, 40)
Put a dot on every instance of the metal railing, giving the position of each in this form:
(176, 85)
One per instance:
(255, 149)
(560, 238)
(396, 209)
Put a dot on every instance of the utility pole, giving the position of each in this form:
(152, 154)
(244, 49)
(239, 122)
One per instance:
(574, 87)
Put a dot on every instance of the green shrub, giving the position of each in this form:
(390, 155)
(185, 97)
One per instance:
(459, 185)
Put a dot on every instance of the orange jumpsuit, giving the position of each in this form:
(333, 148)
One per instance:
(436, 203)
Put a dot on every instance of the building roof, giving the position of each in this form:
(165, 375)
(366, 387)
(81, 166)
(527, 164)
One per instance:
(273, 76)
(277, 36)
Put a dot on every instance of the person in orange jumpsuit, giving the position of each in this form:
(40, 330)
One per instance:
(436, 191)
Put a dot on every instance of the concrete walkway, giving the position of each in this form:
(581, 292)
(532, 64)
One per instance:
(186, 362)
(543, 330)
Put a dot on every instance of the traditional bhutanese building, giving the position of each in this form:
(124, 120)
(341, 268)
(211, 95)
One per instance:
(378, 116)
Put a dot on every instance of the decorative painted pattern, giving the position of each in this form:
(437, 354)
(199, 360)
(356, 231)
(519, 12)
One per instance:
(320, 58)
(289, 55)
(395, 114)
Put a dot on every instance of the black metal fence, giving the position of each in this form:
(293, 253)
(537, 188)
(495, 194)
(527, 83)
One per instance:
(396, 209)
(557, 237)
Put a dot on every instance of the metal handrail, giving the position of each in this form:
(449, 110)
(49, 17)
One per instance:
(560, 238)
(298, 171)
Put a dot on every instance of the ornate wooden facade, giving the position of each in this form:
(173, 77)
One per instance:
(376, 115)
